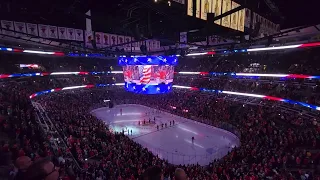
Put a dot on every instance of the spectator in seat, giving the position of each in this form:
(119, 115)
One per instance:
(153, 173)
(42, 169)
(22, 164)
(180, 174)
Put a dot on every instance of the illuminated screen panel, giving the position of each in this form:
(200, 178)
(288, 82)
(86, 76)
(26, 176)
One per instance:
(241, 20)
(205, 9)
(210, 6)
(247, 18)
(226, 6)
(254, 21)
(148, 89)
(148, 79)
(216, 6)
(148, 74)
(198, 6)
(234, 17)
(190, 8)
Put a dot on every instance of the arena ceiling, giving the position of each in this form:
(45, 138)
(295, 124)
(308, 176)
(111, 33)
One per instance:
(132, 17)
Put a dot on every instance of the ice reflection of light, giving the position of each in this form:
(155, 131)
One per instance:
(188, 130)
(121, 121)
(188, 141)
(135, 130)
(128, 114)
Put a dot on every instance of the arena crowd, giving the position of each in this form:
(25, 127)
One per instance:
(270, 148)
(275, 144)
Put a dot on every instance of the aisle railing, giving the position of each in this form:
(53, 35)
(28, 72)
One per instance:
(58, 139)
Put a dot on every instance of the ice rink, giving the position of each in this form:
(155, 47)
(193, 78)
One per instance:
(173, 143)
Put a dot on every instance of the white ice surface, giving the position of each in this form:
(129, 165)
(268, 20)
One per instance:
(174, 142)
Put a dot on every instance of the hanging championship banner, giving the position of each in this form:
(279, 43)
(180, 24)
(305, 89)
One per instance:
(269, 27)
(154, 44)
(99, 37)
(259, 19)
(234, 16)
(113, 40)
(278, 28)
(183, 39)
(247, 18)
(53, 32)
(32, 29)
(216, 6)
(89, 38)
(120, 41)
(134, 44)
(7, 27)
(20, 28)
(62, 32)
(254, 20)
(198, 6)
(71, 34)
(78, 34)
(106, 40)
(139, 43)
(226, 6)
(262, 22)
(241, 17)
(127, 40)
(43, 30)
(190, 8)
(148, 44)
(274, 28)
(204, 9)
(158, 45)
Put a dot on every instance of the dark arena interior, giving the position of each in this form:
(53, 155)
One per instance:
(159, 90)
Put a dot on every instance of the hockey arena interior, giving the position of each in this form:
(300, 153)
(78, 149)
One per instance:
(159, 90)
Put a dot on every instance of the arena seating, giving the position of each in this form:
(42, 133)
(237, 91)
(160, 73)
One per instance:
(297, 61)
(278, 150)
(275, 143)
(289, 89)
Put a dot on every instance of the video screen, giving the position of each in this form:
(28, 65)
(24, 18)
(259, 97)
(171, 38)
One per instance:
(148, 74)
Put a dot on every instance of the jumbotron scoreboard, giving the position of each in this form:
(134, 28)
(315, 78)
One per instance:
(148, 74)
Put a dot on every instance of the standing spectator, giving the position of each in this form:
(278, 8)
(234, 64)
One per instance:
(180, 174)
(153, 173)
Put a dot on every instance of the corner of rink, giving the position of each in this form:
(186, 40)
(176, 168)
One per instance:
(173, 138)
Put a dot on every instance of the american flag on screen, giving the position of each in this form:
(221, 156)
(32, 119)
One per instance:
(145, 71)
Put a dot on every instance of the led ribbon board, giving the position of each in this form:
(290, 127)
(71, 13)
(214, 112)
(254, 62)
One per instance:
(270, 98)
